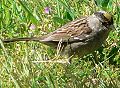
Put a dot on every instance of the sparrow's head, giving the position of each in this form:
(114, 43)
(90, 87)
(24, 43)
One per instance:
(106, 18)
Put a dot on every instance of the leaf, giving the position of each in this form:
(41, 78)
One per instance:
(113, 51)
(68, 16)
(112, 55)
(105, 3)
(32, 17)
(97, 2)
(102, 3)
(58, 20)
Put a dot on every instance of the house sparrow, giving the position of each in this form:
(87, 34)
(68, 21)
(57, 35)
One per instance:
(81, 36)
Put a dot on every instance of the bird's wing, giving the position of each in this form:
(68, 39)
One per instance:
(72, 32)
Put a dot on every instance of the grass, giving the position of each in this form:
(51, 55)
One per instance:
(17, 66)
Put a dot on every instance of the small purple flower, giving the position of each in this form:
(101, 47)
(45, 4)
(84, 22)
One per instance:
(47, 10)
(32, 27)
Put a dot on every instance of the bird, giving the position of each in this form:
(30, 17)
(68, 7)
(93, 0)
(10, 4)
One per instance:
(80, 37)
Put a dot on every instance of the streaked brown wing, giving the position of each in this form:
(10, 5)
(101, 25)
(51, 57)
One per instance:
(71, 32)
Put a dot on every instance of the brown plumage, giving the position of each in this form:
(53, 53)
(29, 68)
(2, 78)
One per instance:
(81, 36)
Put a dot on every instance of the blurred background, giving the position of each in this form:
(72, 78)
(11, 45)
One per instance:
(18, 61)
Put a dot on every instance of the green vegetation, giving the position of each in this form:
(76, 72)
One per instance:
(27, 18)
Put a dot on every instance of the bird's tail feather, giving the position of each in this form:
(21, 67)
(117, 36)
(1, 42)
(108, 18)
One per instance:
(21, 39)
